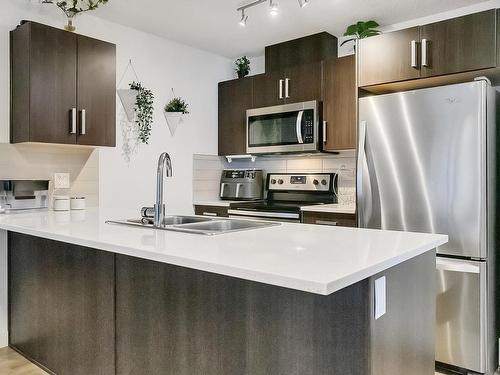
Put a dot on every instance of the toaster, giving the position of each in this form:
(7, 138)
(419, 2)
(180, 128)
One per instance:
(242, 184)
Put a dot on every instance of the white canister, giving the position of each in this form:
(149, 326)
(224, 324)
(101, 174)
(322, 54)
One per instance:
(78, 203)
(60, 203)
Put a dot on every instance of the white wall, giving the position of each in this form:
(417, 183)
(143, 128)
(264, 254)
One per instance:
(160, 65)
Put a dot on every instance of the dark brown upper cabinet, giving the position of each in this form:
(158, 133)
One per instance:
(62, 87)
(301, 51)
(340, 104)
(300, 83)
(268, 89)
(388, 57)
(235, 97)
(457, 45)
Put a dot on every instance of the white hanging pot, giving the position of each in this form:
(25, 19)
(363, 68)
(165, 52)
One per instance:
(173, 120)
(127, 98)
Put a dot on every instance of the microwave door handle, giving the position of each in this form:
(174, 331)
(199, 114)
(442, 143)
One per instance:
(299, 127)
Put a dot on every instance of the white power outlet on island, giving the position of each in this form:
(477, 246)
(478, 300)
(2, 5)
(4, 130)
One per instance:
(61, 181)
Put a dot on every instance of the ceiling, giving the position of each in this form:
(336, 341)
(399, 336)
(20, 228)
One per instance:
(213, 24)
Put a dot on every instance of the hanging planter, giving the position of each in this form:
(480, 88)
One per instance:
(174, 112)
(137, 102)
(127, 98)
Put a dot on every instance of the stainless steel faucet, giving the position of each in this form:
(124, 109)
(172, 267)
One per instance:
(164, 163)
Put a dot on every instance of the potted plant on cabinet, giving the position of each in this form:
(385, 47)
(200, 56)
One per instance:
(174, 112)
(242, 66)
(72, 8)
(361, 30)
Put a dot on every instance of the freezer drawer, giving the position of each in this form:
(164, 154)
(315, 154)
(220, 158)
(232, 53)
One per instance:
(461, 336)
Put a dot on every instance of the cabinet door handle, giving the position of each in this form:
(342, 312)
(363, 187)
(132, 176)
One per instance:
(287, 88)
(73, 121)
(83, 128)
(425, 59)
(209, 214)
(325, 124)
(280, 88)
(414, 63)
(326, 222)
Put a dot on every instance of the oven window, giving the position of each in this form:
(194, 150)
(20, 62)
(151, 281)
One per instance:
(273, 130)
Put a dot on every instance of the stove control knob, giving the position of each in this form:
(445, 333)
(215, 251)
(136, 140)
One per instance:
(280, 181)
(273, 181)
(323, 182)
(315, 182)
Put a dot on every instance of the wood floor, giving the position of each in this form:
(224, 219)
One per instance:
(11, 363)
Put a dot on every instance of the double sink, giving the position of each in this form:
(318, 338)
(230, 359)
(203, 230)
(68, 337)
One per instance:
(198, 225)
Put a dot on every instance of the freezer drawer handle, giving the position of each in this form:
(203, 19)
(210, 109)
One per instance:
(456, 266)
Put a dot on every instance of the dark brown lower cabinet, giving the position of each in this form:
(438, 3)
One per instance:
(76, 310)
(61, 305)
(331, 219)
(211, 211)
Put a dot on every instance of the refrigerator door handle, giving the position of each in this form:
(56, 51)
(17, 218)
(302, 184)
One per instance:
(444, 264)
(359, 171)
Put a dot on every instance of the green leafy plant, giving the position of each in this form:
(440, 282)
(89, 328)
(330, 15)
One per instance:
(73, 7)
(144, 110)
(242, 67)
(177, 104)
(361, 30)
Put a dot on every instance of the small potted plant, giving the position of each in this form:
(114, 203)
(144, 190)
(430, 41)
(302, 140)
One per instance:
(242, 67)
(72, 8)
(174, 112)
(361, 30)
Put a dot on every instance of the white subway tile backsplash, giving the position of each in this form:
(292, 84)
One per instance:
(208, 169)
(39, 161)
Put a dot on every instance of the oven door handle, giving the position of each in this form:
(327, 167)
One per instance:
(262, 214)
(299, 127)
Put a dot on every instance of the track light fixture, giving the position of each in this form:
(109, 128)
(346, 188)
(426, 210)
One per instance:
(244, 18)
(273, 8)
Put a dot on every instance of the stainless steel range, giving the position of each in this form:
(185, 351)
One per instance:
(286, 194)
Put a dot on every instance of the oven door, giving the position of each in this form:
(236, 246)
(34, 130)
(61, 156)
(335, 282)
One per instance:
(284, 217)
(283, 129)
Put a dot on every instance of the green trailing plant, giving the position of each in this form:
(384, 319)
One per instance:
(242, 66)
(177, 104)
(144, 110)
(361, 30)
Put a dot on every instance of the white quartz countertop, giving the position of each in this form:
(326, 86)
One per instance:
(331, 208)
(310, 258)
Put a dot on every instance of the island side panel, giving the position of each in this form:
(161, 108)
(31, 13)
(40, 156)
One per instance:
(4, 335)
(177, 321)
(61, 305)
(403, 340)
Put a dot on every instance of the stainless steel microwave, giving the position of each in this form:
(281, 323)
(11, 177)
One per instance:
(283, 129)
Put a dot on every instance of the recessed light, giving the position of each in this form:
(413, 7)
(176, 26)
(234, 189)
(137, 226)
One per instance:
(303, 3)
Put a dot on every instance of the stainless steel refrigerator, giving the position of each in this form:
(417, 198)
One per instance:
(427, 163)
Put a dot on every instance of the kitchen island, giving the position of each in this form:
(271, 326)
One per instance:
(87, 297)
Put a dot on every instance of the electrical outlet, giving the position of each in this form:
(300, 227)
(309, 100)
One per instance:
(61, 181)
